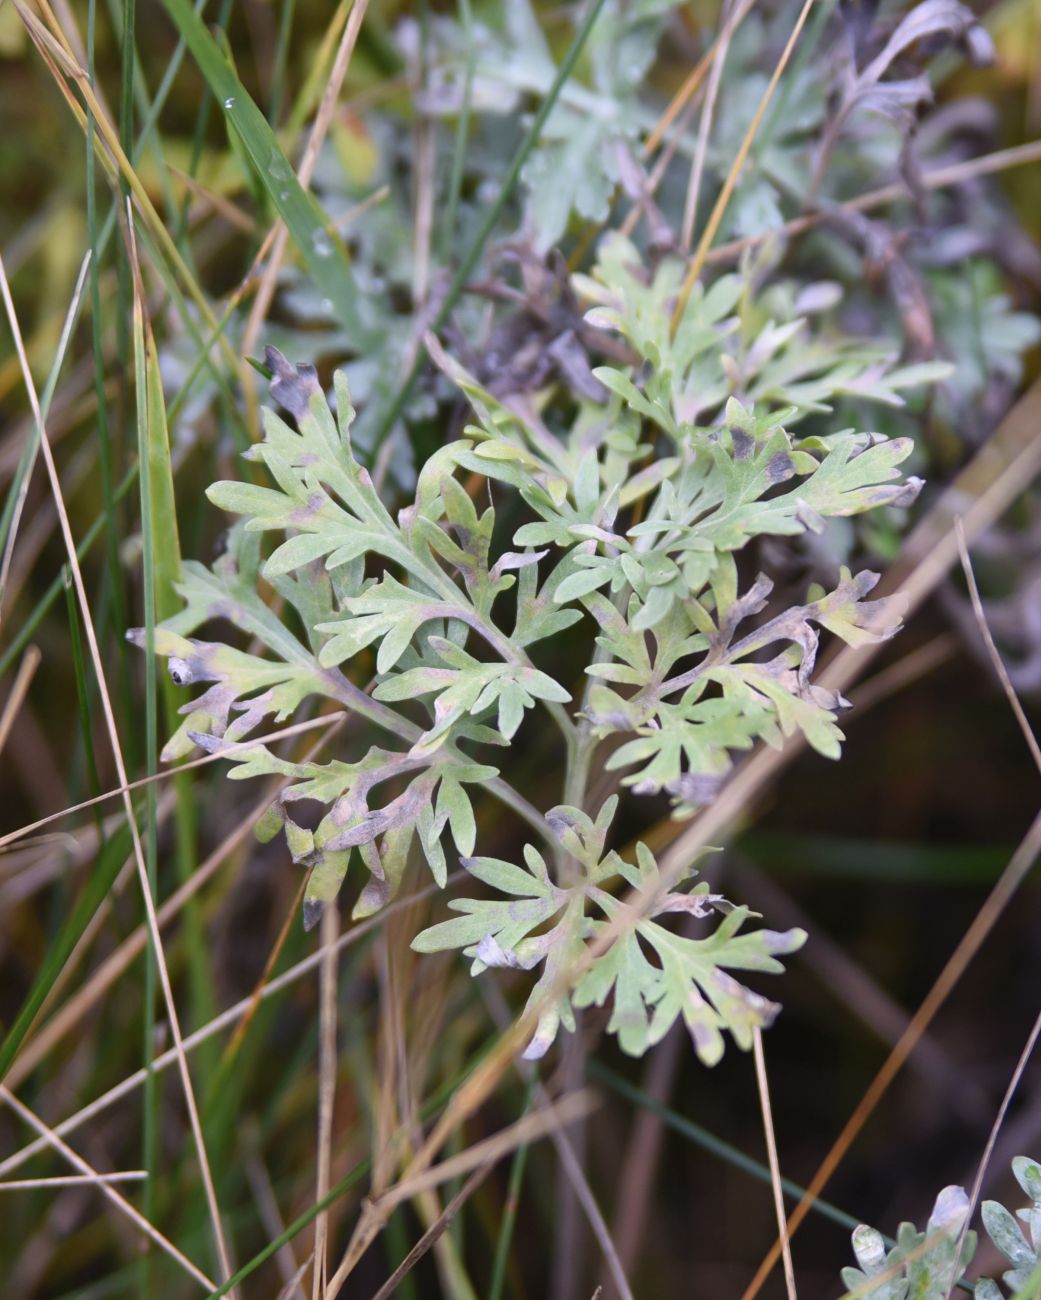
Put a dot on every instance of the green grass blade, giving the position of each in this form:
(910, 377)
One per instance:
(322, 251)
(278, 73)
(79, 671)
(42, 607)
(166, 571)
(462, 135)
(149, 536)
(15, 500)
(162, 522)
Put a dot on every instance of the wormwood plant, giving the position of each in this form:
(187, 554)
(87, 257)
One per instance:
(927, 1265)
(615, 596)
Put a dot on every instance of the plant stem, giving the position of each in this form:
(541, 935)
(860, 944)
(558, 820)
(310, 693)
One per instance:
(358, 702)
(580, 754)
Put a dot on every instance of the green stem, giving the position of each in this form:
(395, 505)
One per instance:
(357, 701)
(580, 755)
(462, 133)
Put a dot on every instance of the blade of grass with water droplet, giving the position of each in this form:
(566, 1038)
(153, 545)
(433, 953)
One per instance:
(320, 247)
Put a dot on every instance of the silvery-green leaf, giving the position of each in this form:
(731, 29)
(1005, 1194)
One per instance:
(1007, 1235)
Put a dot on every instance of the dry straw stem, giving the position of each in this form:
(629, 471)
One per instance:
(227, 751)
(19, 689)
(638, 1168)
(211, 201)
(115, 161)
(50, 1139)
(999, 1120)
(327, 978)
(708, 113)
(435, 1232)
(71, 316)
(282, 938)
(397, 1128)
(992, 650)
(935, 178)
(569, 1161)
(274, 1225)
(528, 1129)
(121, 772)
(693, 80)
(584, 1193)
(233, 1015)
(1035, 753)
(763, 1087)
(716, 216)
(74, 1180)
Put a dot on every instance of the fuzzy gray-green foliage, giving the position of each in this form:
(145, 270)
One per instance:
(1022, 1248)
(922, 1265)
(928, 1265)
(637, 512)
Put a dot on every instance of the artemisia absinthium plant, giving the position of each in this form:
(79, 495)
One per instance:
(635, 519)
